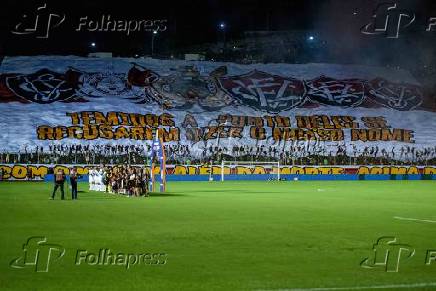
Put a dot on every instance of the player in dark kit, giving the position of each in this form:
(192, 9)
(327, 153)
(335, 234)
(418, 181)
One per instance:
(59, 179)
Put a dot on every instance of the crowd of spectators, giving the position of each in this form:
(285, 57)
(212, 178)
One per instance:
(291, 154)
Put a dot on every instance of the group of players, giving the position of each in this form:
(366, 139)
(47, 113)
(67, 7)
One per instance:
(125, 180)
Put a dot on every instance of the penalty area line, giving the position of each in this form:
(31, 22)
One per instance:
(398, 286)
(414, 219)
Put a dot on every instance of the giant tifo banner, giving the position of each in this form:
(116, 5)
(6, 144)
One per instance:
(70, 100)
(40, 171)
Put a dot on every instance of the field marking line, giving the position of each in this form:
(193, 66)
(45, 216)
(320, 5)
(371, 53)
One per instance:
(414, 219)
(399, 286)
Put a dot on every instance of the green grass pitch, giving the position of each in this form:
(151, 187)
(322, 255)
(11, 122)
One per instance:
(223, 236)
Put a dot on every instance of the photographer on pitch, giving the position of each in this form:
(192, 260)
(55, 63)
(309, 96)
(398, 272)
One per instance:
(59, 178)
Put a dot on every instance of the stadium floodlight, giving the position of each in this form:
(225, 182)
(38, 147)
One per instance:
(152, 41)
(93, 44)
(275, 167)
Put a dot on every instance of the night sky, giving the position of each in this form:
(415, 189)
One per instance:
(188, 22)
(195, 22)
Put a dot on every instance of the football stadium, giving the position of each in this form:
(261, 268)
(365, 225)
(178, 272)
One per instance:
(218, 145)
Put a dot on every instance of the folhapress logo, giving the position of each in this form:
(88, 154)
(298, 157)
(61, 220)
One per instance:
(389, 20)
(39, 24)
(387, 254)
(38, 254)
(105, 257)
